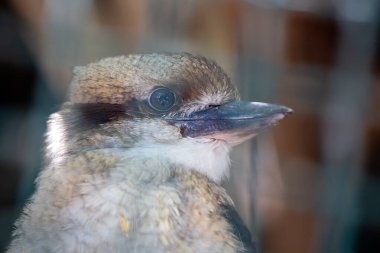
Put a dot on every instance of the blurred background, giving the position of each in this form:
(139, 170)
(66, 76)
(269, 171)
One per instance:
(310, 185)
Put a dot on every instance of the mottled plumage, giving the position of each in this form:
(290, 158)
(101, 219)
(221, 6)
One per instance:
(121, 176)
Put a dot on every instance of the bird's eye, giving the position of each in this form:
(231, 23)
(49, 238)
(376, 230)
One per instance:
(162, 99)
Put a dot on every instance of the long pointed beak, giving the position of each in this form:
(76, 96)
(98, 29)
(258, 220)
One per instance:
(234, 122)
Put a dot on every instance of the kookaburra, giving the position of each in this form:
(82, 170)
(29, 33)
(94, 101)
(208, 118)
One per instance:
(134, 159)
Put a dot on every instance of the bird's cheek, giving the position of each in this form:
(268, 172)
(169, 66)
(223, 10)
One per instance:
(164, 132)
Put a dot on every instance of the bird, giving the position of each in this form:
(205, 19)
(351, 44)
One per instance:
(134, 159)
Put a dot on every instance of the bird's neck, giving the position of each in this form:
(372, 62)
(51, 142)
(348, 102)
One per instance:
(142, 165)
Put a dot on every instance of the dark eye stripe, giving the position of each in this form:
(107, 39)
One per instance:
(86, 116)
(82, 117)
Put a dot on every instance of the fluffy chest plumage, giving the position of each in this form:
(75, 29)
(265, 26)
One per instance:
(162, 218)
(134, 206)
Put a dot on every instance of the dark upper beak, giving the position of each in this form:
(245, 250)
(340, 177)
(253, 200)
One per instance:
(233, 122)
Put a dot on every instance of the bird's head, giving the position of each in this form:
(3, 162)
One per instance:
(177, 107)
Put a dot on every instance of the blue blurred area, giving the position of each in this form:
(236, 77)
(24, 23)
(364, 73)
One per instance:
(310, 185)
